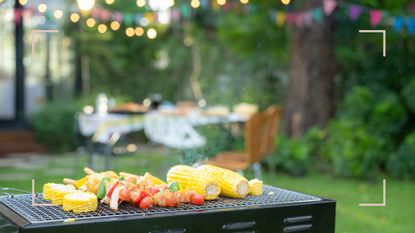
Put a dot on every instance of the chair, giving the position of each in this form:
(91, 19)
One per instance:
(260, 132)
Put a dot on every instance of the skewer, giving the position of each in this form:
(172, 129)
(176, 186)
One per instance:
(126, 174)
(89, 171)
(69, 181)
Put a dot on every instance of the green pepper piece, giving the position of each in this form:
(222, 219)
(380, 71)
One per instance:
(174, 186)
(101, 189)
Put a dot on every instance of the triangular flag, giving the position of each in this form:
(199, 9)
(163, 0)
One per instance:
(117, 16)
(398, 24)
(280, 18)
(411, 26)
(299, 21)
(291, 18)
(329, 6)
(354, 12)
(317, 14)
(308, 19)
(128, 19)
(375, 17)
(18, 15)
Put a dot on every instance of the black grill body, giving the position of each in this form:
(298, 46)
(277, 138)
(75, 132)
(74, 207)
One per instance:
(277, 211)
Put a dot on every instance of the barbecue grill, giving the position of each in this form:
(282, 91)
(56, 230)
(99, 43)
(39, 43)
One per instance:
(276, 211)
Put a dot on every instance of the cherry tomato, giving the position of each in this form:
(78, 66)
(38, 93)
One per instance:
(146, 203)
(154, 190)
(125, 194)
(198, 199)
(189, 194)
(139, 196)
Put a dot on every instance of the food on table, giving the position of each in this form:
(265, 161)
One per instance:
(255, 187)
(56, 192)
(185, 185)
(80, 201)
(231, 183)
(129, 107)
(217, 111)
(194, 179)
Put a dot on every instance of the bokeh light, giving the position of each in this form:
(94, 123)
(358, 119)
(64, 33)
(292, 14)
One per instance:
(130, 31)
(75, 17)
(42, 7)
(139, 31)
(151, 33)
(115, 25)
(102, 28)
(90, 22)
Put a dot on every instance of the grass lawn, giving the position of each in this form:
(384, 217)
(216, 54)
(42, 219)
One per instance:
(397, 217)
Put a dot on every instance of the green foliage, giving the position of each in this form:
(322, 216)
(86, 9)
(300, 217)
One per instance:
(291, 156)
(351, 148)
(409, 95)
(401, 164)
(54, 125)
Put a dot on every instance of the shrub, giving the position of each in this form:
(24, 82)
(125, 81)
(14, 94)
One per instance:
(54, 125)
(401, 164)
(352, 150)
(291, 156)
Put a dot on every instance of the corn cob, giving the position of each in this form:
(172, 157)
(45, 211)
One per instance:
(231, 183)
(192, 179)
(80, 201)
(255, 187)
(47, 191)
(56, 192)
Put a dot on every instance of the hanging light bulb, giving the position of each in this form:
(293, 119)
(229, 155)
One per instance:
(244, 1)
(102, 28)
(129, 31)
(90, 22)
(86, 5)
(139, 31)
(22, 2)
(141, 3)
(109, 2)
(151, 33)
(115, 25)
(285, 2)
(58, 14)
(195, 3)
(75, 17)
(221, 2)
(42, 7)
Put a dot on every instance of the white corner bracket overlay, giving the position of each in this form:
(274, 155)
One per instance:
(383, 204)
(384, 38)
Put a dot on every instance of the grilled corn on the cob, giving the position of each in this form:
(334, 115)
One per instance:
(80, 201)
(193, 179)
(255, 187)
(231, 183)
(56, 192)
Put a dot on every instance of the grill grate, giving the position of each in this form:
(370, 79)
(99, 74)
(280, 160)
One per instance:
(22, 205)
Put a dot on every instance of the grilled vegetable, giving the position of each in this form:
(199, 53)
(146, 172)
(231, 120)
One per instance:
(56, 192)
(197, 199)
(125, 194)
(101, 190)
(174, 186)
(194, 179)
(255, 187)
(146, 203)
(138, 195)
(231, 183)
(80, 201)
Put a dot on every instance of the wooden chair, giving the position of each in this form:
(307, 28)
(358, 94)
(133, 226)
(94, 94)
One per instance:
(260, 132)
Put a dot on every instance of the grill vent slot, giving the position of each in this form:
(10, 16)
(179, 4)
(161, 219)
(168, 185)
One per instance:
(298, 224)
(169, 231)
(238, 225)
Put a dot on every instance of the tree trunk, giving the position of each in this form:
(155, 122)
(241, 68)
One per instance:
(309, 100)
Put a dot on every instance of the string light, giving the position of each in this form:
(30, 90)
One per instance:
(109, 2)
(90, 22)
(141, 3)
(285, 2)
(58, 14)
(139, 31)
(22, 2)
(130, 31)
(151, 33)
(86, 5)
(195, 3)
(221, 2)
(115, 25)
(102, 28)
(244, 1)
(75, 17)
(42, 7)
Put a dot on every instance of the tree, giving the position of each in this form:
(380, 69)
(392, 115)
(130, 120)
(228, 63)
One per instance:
(309, 100)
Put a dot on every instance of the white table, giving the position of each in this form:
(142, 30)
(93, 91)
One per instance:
(172, 131)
